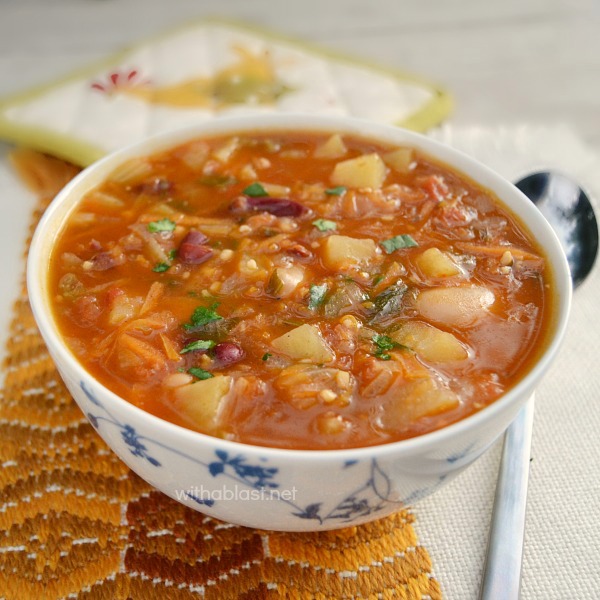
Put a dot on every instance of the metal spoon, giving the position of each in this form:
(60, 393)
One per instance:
(569, 211)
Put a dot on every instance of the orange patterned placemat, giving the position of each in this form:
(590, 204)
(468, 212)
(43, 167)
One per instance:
(76, 522)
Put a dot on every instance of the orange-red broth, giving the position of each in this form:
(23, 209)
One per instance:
(388, 352)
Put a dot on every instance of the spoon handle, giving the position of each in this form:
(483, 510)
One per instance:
(502, 572)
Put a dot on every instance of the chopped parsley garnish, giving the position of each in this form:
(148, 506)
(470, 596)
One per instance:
(274, 285)
(398, 242)
(172, 254)
(384, 343)
(378, 279)
(292, 323)
(336, 191)
(316, 295)
(161, 267)
(198, 345)
(266, 356)
(255, 190)
(161, 225)
(200, 373)
(202, 316)
(325, 225)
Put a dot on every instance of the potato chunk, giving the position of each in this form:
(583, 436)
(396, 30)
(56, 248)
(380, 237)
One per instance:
(414, 400)
(455, 306)
(201, 401)
(430, 342)
(330, 423)
(224, 152)
(304, 342)
(340, 251)
(366, 171)
(435, 263)
(305, 385)
(399, 159)
(334, 147)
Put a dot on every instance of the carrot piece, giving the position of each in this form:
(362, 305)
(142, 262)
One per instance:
(498, 251)
(140, 352)
(157, 289)
(170, 349)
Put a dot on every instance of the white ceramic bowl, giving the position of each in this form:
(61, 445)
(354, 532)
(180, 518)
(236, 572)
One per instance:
(270, 488)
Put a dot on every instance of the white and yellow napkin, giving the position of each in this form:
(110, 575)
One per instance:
(204, 70)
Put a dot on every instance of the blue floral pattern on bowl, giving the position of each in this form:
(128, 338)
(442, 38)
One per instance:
(372, 496)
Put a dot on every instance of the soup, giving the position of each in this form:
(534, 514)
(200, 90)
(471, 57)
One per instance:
(299, 290)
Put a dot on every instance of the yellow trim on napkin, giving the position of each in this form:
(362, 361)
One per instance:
(85, 151)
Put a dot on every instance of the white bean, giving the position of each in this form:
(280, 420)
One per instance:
(455, 306)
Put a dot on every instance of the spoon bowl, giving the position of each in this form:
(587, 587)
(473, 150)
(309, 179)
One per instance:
(569, 211)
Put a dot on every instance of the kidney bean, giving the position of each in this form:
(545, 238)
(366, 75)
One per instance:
(299, 250)
(103, 261)
(193, 250)
(194, 255)
(280, 207)
(194, 237)
(228, 353)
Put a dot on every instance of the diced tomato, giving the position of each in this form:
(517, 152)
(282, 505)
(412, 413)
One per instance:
(86, 310)
(436, 187)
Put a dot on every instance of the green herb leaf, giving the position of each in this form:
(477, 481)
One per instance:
(161, 267)
(217, 180)
(172, 254)
(266, 356)
(200, 373)
(202, 316)
(378, 279)
(274, 285)
(384, 343)
(255, 190)
(336, 191)
(316, 295)
(347, 296)
(161, 225)
(198, 345)
(325, 225)
(388, 302)
(398, 242)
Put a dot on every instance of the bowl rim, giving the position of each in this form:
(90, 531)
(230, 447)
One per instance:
(528, 214)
